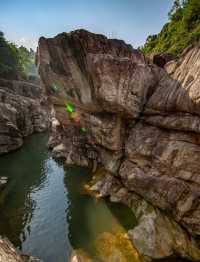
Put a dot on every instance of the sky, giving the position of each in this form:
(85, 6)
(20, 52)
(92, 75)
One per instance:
(24, 21)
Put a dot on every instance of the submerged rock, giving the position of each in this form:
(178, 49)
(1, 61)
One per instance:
(141, 124)
(115, 248)
(108, 248)
(156, 235)
(80, 256)
(3, 181)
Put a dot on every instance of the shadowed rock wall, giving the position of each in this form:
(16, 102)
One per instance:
(23, 110)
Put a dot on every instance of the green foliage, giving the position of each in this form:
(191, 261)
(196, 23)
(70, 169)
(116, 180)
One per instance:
(177, 5)
(182, 29)
(8, 56)
(24, 59)
(14, 61)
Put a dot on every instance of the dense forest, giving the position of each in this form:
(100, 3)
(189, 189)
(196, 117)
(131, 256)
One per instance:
(182, 29)
(15, 62)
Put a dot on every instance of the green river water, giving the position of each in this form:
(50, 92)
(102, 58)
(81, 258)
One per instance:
(43, 210)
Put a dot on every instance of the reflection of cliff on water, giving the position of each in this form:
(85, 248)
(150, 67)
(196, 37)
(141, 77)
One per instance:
(25, 170)
(87, 217)
(43, 209)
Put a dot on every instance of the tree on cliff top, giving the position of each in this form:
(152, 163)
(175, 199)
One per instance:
(14, 61)
(8, 57)
(182, 29)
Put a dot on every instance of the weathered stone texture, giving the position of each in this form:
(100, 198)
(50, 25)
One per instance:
(143, 126)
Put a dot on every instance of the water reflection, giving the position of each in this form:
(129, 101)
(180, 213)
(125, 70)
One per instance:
(33, 205)
(16, 205)
(49, 229)
(43, 209)
(89, 218)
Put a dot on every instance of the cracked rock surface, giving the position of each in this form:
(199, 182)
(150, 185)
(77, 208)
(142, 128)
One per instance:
(23, 110)
(142, 125)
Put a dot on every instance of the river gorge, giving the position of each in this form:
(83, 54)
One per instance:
(113, 175)
(44, 210)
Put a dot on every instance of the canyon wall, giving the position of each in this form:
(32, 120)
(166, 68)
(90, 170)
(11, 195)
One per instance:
(23, 110)
(137, 120)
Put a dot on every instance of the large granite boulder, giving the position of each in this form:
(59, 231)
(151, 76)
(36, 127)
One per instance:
(140, 122)
(156, 235)
(23, 110)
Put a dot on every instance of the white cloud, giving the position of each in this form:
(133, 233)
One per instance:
(28, 42)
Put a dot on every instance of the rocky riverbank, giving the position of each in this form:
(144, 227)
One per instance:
(137, 120)
(23, 110)
(8, 253)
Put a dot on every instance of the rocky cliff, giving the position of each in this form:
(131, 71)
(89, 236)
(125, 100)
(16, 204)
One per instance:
(8, 253)
(140, 122)
(23, 110)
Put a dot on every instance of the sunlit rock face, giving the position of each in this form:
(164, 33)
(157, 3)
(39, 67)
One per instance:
(23, 110)
(8, 253)
(141, 124)
(98, 73)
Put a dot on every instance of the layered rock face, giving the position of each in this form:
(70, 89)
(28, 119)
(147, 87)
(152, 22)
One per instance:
(142, 125)
(8, 253)
(23, 110)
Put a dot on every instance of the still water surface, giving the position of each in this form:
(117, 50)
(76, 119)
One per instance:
(43, 209)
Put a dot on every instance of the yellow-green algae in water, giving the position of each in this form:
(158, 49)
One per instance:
(43, 207)
(114, 243)
(110, 247)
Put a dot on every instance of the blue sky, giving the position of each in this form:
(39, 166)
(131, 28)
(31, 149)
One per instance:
(24, 21)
